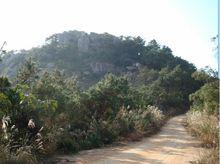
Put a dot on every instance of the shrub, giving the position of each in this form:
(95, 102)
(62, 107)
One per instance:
(206, 98)
(149, 119)
(157, 117)
(51, 137)
(72, 120)
(204, 126)
(99, 133)
(108, 131)
(20, 145)
(203, 118)
(144, 120)
(92, 140)
(125, 122)
(106, 97)
(66, 144)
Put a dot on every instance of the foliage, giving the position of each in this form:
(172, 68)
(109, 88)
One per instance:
(107, 96)
(207, 97)
(205, 75)
(21, 129)
(203, 118)
(167, 88)
(143, 120)
(28, 73)
(20, 145)
(67, 144)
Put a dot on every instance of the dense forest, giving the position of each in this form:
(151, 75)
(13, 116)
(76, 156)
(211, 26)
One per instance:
(80, 91)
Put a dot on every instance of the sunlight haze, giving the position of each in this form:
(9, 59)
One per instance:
(186, 26)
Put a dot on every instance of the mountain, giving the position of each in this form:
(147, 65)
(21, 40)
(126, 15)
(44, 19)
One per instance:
(91, 56)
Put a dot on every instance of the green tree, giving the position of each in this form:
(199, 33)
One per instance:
(107, 96)
(207, 97)
(28, 73)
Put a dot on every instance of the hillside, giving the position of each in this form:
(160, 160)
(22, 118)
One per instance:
(82, 91)
(91, 56)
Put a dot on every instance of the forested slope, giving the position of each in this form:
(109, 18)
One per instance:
(90, 56)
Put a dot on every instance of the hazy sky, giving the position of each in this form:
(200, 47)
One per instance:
(186, 26)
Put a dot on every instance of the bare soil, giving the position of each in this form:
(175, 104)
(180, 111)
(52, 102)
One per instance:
(172, 145)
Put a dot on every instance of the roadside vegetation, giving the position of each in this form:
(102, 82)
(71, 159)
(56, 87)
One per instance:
(54, 116)
(203, 117)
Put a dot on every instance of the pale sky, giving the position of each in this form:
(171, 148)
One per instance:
(186, 26)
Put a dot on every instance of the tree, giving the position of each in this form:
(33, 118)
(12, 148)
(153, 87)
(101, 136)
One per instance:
(28, 73)
(205, 75)
(106, 97)
(207, 97)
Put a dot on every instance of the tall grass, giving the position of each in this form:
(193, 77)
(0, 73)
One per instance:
(209, 157)
(206, 128)
(19, 145)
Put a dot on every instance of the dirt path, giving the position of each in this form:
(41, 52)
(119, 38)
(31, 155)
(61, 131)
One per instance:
(173, 145)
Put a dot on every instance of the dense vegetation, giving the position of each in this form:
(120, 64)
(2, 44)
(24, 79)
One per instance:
(72, 119)
(110, 88)
(88, 57)
(203, 117)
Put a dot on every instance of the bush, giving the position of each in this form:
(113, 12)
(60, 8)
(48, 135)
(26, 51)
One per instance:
(144, 120)
(73, 120)
(92, 140)
(148, 119)
(66, 144)
(204, 126)
(99, 133)
(206, 98)
(20, 145)
(125, 122)
(157, 116)
(108, 131)
(106, 97)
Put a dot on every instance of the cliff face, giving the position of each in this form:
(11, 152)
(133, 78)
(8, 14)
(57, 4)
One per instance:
(98, 67)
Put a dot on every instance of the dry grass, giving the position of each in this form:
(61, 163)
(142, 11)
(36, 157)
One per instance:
(19, 145)
(206, 128)
(210, 157)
